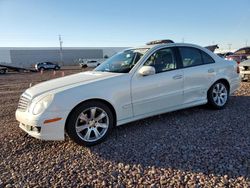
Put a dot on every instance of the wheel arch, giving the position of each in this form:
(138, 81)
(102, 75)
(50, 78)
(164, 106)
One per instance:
(224, 80)
(109, 105)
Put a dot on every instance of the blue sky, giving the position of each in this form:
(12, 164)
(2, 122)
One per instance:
(123, 23)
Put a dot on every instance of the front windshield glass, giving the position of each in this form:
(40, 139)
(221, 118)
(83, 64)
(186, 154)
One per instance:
(122, 62)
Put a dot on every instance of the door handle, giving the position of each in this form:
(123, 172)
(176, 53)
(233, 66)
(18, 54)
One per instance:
(178, 76)
(210, 70)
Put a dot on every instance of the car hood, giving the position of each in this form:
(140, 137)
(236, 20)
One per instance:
(68, 82)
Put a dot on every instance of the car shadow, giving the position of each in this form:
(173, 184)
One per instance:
(198, 139)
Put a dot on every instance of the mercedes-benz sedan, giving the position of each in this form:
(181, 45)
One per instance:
(133, 84)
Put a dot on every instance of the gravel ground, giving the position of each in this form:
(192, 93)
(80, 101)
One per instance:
(196, 147)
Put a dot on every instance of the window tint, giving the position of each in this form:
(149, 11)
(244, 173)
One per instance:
(162, 60)
(206, 58)
(190, 56)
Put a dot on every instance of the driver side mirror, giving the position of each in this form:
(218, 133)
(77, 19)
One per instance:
(146, 70)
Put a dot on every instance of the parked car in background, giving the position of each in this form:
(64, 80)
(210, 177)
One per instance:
(228, 54)
(133, 84)
(224, 55)
(240, 55)
(89, 63)
(47, 66)
(245, 70)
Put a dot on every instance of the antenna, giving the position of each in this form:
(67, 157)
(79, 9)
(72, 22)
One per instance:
(61, 54)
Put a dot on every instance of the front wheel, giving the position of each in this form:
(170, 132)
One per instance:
(218, 95)
(41, 69)
(90, 123)
(84, 66)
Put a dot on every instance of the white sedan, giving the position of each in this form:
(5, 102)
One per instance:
(131, 85)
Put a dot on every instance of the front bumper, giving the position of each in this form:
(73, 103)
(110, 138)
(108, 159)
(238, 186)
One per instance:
(34, 125)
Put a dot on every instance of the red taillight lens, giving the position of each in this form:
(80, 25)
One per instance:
(238, 69)
(238, 62)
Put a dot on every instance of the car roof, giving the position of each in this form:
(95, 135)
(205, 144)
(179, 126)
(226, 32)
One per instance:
(168, 45)
(158, 46)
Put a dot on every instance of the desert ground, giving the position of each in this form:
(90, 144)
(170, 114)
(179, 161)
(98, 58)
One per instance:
(196, 147)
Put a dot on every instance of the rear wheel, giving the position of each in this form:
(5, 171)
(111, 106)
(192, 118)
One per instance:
(56, 68)
(90, 123)
(218, 95)
(2, 71)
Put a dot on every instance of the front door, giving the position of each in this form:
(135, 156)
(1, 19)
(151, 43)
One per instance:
(159, 92)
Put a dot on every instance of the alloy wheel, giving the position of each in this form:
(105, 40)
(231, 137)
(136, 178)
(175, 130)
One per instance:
(92, 124)
(220, 94)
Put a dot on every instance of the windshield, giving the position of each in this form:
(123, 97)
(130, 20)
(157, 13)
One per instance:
(122, 62)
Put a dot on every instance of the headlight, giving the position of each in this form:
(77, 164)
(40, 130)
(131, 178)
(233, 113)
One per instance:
(42, 104)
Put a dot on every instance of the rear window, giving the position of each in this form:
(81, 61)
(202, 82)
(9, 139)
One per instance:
(207, 58)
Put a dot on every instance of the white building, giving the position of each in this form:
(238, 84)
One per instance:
(29, 56)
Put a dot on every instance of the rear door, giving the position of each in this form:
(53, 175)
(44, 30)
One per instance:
(198, 73)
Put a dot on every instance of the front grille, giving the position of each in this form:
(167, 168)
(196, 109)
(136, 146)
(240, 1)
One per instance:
(23, 103)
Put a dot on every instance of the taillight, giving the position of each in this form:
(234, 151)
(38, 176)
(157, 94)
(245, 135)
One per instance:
(238, 69)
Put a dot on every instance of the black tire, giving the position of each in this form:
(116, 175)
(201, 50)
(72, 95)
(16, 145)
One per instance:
(84, 66)
(211, 96)
(2, 71)
(73, 119)
(56, 68)
(41, 69)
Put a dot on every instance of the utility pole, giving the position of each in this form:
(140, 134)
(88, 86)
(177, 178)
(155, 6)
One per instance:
(61, 54)
(246, 41)
(183, 40)
(229, 46)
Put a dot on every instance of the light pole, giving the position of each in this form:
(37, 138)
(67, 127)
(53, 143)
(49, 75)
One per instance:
(61, 54)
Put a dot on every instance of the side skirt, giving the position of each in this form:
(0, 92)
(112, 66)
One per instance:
(165, 110)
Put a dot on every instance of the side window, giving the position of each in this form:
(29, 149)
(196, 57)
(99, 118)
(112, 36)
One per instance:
(190, 56)
(162, 60)
(207, 59)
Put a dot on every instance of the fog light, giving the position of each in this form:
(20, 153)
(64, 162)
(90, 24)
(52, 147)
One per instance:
(36, 129)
